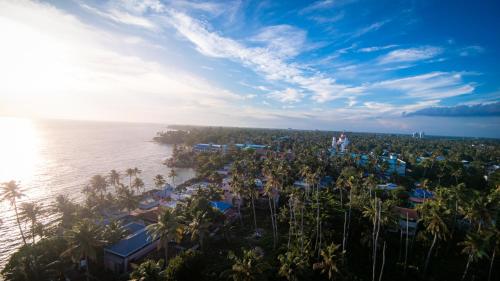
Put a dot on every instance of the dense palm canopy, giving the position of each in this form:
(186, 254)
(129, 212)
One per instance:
(347, 228)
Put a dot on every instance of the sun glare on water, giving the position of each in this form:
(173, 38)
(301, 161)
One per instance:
(18, 149)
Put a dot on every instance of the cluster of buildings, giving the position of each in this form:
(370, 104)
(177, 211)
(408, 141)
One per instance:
(211, 147)
(138, 243)
(418, 135)
(394, 165)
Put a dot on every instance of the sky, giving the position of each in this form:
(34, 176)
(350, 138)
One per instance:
(373, 66)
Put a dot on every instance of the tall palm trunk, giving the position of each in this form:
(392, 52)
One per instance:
(272, 221)
(469, 259)
(87, 269)
(491, 264)
(19, 222)
(375, 243)
(33, 231)
(275, 220)
(254, 214)
(343, 235)
(166, 254)
(383, 263)
(406, 244)
(429, 254)
(290, 225)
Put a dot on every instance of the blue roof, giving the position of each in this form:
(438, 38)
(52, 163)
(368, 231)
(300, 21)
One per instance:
(220, 205)
(422, 193)
(133, 243)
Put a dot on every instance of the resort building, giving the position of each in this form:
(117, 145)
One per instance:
(210, 147)
(135, 246)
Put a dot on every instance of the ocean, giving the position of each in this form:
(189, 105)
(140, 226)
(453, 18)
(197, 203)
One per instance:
(52, 157)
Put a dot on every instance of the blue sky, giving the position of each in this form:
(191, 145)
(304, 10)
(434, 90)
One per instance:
(378, 66)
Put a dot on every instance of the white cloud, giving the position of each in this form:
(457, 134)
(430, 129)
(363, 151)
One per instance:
(76, 71)
(372, 27)
(410, 55)
(261, 60)
(471, 51)
(122, 17)
(284, 40)
(376, 48)
(430, 86)
(288, 95)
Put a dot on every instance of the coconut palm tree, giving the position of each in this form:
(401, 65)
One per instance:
(99, 184)
(130, 172)
(29, 212)
(11, 191)
(329, 263)
(433, 220)
(114, 232)
(294, 264)
(172, 174)
(114, 179)
(83, 240)
(137, 172)
(475, 247)
(159, 181)
(199, 228)
(167, 229)
(64, 206)
(138, 184)
(149, 270)
(249, 267)
(127, 199)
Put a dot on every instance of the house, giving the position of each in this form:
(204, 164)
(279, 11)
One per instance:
(395, 165)
(221, 206)
(407, 220)
(387, 186)
(259, 148)
(148, 203)
(210, 147)
(135, 246)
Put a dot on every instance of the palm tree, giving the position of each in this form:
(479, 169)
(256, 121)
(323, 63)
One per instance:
(29, 212)
(474, 247)
(167, 229)
(329, 261)
(159, 181)
(114, 232)
(11, 192)
(200, 228)
(99, 184)
(172, 174)
(66, 208)
(249, 267)
(434, 223)
(149, 270)
(293, 264)
(114, 179)
(127, 199)
(83, 240)
(138, 184)
(137, 172)
(130, 172)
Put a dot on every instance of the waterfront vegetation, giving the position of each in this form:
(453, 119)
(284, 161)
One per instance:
(345, 230)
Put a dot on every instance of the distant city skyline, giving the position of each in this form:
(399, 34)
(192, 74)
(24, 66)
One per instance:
(367, 66)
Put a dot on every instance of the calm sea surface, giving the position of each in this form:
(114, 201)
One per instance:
(49, 158)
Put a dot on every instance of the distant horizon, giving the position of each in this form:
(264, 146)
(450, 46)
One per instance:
(386, 66)
(166, 125)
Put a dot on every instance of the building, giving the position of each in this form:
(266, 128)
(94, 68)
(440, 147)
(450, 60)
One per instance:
(135, 246)
(210, 147)
(258, 148)
(340, 144)
(395, 165)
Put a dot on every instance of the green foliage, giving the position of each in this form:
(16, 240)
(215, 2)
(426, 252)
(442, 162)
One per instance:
(36, 262)
(149, 270)
(187, 266)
